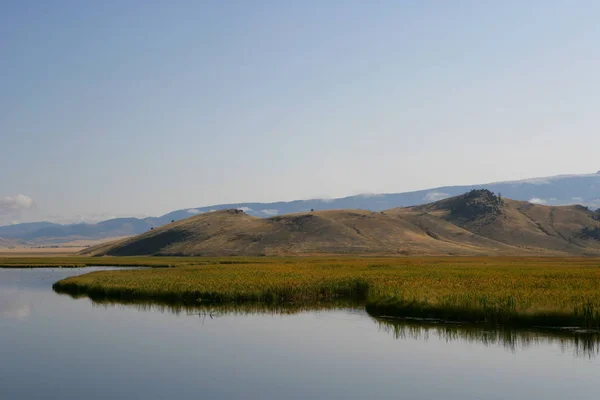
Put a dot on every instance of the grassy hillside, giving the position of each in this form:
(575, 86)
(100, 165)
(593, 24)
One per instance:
(477, 223)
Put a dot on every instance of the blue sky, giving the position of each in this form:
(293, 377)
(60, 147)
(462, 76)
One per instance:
(132, 108)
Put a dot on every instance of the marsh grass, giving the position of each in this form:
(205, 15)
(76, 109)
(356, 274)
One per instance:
(494, 291)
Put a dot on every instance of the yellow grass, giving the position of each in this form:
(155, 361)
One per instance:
(507, 291)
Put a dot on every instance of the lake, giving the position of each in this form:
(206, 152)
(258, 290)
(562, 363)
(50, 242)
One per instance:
(54, 346)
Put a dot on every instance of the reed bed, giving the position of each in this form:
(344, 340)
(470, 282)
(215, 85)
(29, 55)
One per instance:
(495, 291)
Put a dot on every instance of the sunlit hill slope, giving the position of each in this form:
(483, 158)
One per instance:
(476, 223)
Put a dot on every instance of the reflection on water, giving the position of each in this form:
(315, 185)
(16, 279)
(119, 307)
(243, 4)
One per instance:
(13, 305)
(580, 343)
(229, 308)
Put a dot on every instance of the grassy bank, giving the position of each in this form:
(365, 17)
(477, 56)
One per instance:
(80, 262)
(496, 291)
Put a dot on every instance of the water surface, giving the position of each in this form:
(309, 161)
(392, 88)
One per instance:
(53, 346)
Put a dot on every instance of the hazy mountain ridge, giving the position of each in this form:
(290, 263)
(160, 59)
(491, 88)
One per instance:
(475, 223)
(557, 190)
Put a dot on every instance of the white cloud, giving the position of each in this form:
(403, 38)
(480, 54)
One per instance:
(435, 196)
(369, 195)
(269, 211)
(536, 181)
(537, 200)
(244, 209)
(194, 211)
(577, 198)
(15, 208)
(549, 179)
(16, 203)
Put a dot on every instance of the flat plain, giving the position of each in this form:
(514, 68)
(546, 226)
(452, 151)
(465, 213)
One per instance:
(14, 249)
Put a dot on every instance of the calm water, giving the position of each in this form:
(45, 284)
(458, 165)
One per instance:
(53, 346)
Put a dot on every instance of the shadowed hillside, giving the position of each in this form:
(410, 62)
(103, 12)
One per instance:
(475, 223)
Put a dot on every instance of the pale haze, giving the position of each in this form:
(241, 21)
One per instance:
(139, 108)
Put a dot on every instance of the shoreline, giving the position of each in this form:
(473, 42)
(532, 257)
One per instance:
(492, 291)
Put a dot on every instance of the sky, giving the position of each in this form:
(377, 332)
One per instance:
(131, 108)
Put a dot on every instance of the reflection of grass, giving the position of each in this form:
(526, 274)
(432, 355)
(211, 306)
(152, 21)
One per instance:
(248, 308)
(580, 343)
(497, 291)
(584, 344)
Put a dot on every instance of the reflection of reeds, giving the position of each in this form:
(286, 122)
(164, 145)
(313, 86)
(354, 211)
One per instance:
(218, 309)
(580, 343)
(518, 292)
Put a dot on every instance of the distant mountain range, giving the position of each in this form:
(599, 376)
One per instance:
(474, 223)
(554, 191)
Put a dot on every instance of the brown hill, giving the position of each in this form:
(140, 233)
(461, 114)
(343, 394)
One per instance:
(476, 223)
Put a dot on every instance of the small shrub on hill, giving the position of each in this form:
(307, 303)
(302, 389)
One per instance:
(590, 233)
